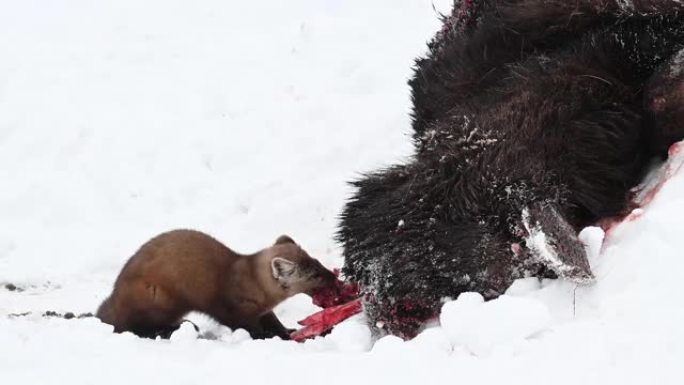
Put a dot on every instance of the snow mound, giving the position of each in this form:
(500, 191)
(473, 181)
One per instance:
(592, 237)
(352, 335)
(433, 340)
(388, 345)
(480, 326)
(186, 332)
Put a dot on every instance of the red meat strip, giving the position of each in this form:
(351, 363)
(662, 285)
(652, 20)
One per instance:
(318, 323)
(340, 301)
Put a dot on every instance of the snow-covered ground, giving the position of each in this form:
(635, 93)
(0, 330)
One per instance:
(122, 119)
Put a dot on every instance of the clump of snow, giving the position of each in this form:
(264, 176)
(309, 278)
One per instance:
(592, 238)
(480, 326)
(186, 332)
(352, 335)
(524, 286)
(239, 335)
(433, 340)
(388, 345)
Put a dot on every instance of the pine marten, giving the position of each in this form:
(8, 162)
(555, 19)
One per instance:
(184, 270)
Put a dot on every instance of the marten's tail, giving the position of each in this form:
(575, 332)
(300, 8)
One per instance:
(106, 311)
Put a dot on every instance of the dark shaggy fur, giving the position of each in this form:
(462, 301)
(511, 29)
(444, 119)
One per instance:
(529, 116)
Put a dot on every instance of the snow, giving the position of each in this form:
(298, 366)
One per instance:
(120, 120)
(186, 332)
(354, 335)
(480, 326)
(592, 237)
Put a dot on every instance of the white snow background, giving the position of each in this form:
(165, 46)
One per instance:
(245, 119)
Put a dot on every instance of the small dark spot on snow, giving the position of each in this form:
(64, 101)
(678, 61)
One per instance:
(11, 287)
(16, 315)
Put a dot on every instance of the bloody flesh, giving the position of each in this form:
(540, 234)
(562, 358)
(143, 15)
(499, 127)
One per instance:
(340, 301)
(337, 294)
(645, 193)
(318, 323)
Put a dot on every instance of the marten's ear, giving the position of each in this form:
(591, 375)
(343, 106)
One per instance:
(283, 270)
(283, 239)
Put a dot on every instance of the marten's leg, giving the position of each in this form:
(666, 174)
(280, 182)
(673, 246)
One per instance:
(238, 320)
(152, 331)
(664, 102)
(271, 324)
(147, 310)
(106, 311)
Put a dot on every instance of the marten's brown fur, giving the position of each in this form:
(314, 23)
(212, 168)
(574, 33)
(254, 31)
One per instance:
(184, 270)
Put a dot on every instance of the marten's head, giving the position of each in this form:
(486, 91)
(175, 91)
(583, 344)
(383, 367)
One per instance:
(295, 271)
